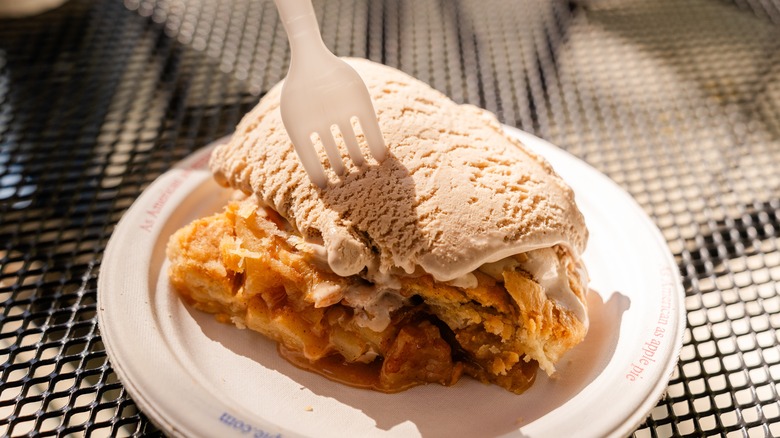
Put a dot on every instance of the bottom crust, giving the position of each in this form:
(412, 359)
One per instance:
(241, 266)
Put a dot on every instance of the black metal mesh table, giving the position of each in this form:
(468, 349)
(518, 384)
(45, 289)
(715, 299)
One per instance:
(678, 102)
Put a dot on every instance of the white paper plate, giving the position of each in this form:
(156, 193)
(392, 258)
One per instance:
(196, 377)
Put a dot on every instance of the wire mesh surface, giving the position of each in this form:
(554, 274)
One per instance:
(678, 102)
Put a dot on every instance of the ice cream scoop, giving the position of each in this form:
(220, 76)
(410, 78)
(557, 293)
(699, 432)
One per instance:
(455, 192)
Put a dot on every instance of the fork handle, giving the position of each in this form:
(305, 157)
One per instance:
(301, 26)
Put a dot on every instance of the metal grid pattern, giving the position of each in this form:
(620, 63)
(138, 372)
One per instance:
(678, 102)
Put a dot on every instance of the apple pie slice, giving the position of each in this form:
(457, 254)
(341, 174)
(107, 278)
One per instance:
(458, 254)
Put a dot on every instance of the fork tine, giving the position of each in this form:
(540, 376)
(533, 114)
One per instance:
(348, 133)
(309, 158)
(376, 143)
(332, 150)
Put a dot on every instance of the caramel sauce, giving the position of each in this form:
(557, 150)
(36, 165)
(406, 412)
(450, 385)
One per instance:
(521, 380)
(367, 376)
(530, 370)
(337, 369)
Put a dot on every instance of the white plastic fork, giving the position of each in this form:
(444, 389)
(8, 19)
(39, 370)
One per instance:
(320, 91)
